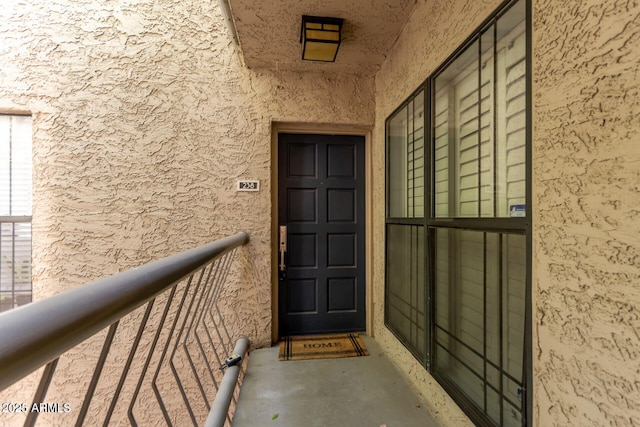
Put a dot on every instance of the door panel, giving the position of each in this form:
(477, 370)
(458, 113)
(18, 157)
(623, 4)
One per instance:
(321, 198)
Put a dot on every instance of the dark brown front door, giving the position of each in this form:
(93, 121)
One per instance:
(321, 199)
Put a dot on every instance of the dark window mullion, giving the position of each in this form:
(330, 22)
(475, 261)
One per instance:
(527, 377)
(484, 319)
(479, 131)
(495, 120)
(454, 283)
(429, 146)
(501, 326)
(415, 235)
(407, 159)
(427, 153)
(405, 221)
(508, 225)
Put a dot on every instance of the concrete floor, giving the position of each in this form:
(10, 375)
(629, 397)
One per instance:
(354, 391)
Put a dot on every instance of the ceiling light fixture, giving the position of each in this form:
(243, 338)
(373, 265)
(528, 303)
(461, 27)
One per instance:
(320, 38)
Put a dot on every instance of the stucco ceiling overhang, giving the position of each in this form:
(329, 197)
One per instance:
(268, 32)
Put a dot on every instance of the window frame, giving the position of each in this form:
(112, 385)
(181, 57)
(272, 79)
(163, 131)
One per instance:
(503, 225)
(14, 220)
(408, 221)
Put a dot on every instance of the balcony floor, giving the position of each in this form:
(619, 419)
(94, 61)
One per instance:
(355, 391)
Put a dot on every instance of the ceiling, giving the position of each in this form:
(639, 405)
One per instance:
(269, 32)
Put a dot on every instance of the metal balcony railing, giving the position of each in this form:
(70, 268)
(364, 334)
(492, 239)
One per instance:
(142, 347)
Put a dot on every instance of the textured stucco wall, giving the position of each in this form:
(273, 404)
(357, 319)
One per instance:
(586, 201)
(143, 120)
(586, 198)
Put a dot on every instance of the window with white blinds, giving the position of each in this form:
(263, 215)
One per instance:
(15, 210)
(480, 304)
(406, 160)
(405, 292)
(480, 130)
(457, 233)
(478, 141)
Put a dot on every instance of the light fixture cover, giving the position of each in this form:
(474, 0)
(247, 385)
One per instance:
(320, 38)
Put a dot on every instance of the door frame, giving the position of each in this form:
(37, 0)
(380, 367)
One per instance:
(321, 129)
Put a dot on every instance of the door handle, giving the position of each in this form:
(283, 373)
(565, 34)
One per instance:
(283, 246)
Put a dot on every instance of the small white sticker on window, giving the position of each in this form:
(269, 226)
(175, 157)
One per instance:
(518, 211)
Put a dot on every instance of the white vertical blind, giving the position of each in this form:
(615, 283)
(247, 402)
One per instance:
(466, 143)
(415, 154)
(396, 162)
(5, 165)
(15, 165)
(511, 117)
(469, 107)
(16, 208)
(487, 126)
(441, 154)
(21, 169)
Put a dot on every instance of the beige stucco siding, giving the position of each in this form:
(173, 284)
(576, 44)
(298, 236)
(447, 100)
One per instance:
(144, 118)
(586, 181)
(586, 184)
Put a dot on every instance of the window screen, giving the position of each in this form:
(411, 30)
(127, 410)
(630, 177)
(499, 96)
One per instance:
(480, 126)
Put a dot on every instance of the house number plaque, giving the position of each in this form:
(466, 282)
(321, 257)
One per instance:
(248, 185)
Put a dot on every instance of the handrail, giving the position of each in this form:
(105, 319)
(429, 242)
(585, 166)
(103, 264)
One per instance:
(37, 334)
(220, 408)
